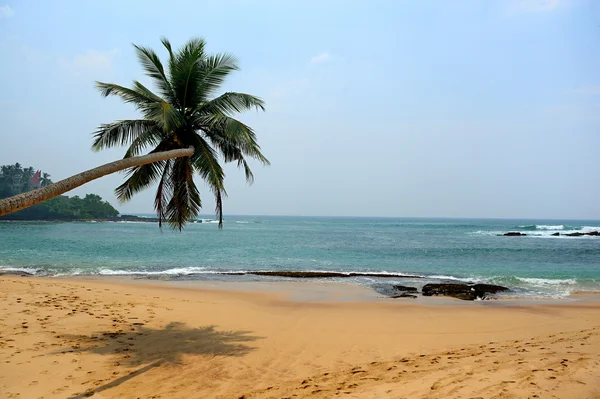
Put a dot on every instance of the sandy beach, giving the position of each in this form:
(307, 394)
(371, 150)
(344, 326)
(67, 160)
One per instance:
(64, 338)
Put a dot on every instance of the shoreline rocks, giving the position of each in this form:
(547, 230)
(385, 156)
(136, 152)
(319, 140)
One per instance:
(314, 274)
(13, 273)
(404, 295)
(468, 292)
(404, 288)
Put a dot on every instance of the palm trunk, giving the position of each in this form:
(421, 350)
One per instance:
(25, 200)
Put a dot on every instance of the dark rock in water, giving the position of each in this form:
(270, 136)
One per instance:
(404, 295)
(15, 273)
(555, 234)
(580, 234)
(514, 234)
(404, 288)
(298, 274)
(467, 292)
(392, 290)
(310, 274)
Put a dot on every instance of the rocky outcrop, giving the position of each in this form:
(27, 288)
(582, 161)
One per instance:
(15, 273)
(404, 295)
(468, 292)
(556, 234)
(394, 290)
(310, 274)
(404, 288)
(579, 234)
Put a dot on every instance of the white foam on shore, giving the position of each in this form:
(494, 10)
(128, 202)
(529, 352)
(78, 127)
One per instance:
(168, 272)
(463, 279)
(547, 281)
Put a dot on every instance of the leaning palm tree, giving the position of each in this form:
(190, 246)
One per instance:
(187, 127)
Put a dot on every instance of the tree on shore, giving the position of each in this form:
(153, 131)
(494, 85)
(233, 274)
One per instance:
(188, 128)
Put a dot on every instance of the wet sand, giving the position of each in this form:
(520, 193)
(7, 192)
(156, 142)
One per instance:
(107, 338)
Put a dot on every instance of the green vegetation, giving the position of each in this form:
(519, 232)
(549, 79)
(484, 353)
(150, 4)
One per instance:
(14, 179)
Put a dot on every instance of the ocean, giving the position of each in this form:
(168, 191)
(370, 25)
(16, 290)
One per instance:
(417, 250)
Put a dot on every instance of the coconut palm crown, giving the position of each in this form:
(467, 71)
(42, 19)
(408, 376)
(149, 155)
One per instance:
(183, 112)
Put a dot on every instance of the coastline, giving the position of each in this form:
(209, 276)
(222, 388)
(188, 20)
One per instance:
(66, 337)
(376, 252)
(324, 290)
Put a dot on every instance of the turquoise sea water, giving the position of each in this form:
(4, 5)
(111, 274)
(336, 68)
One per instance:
(438, 249)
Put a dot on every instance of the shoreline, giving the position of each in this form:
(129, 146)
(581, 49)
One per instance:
(379, 289)
(65, 337)
(313, 290)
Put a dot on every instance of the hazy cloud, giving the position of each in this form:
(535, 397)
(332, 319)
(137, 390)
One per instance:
(320, 58)
(92, 61)
(6, 12)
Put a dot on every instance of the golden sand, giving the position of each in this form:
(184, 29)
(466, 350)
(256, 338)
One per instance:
(74, 339)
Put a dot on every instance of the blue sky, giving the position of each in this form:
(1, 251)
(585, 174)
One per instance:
(457, 108)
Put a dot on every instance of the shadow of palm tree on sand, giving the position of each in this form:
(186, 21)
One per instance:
(152, 347)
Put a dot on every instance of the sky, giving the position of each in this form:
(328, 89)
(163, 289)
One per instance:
(457, 108)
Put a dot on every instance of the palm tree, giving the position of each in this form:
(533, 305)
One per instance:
(187, 127)
(45, 180)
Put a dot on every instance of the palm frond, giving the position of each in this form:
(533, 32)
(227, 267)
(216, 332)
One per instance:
(230, 102)
(154, 69)
(167, 115)
(143, 176)
(206, 164)
(185, 69)
(122, 132)
(185, 201)
(146, 92)
(139, 178)
(145, 139)
(164, 191)
(238, 134)
(167, 44)
(247, 172)
(215, 69)
(127, 95)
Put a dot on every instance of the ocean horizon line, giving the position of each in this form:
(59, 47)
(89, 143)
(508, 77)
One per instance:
(209, 216)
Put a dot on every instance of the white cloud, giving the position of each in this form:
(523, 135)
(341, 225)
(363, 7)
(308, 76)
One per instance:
(91, 62)
(6, 12)
(320, 58)
(536, 6)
